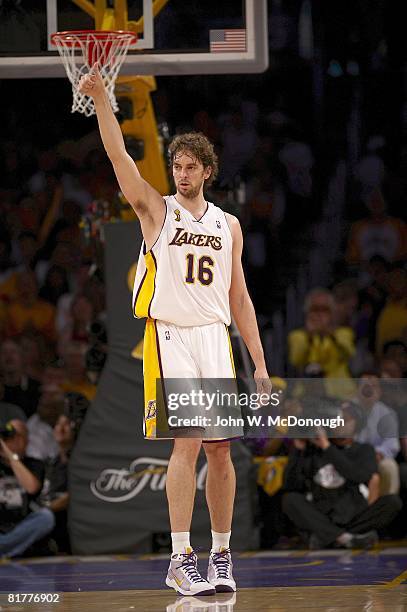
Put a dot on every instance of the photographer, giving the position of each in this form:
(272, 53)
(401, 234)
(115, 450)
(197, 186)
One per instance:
(323, 482)
(21, 476)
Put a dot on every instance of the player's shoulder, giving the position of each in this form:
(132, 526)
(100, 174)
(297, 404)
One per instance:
(234, 225)
(169, 200)
(232, 220)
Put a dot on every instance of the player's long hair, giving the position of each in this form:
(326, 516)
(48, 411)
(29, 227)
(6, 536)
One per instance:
(200, 147)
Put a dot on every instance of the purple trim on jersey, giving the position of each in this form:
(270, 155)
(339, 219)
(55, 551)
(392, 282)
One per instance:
(188, 211)
(161, 231)
(155, 276)
(200, 219)
(138, 291)
(157, 339)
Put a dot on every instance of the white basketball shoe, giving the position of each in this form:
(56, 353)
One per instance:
(184, 577)
(220, 571)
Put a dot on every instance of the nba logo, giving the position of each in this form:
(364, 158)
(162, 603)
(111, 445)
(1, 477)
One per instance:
(218, 224)
(151, 410)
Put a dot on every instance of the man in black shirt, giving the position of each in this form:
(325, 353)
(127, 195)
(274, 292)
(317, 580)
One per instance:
(21, 523)
(323, 482)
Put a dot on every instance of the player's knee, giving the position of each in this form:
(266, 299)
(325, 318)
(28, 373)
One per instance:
(217, 451)
(187, 448)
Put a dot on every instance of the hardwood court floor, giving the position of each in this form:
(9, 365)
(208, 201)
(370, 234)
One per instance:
(269, 580)
(320, 599)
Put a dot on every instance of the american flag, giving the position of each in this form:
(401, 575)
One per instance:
(221, 41)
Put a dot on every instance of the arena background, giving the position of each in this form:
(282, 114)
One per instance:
(310, 129)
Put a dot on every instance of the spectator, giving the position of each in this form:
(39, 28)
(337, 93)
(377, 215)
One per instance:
(377, 234)
(19, 389)
(28, 312)
(28, 215)
(64, 256)
(323, 495)
(373, 296)
(346, 303)
(75, 366)
(21, 480)
(390, 369)
(380, 430)
(40, 426)
(53, 380)
(397, 351)
(392, 320)
(27, 256)
(77, 329)
(321, 348)
(55, 285)
(54, 494)
(95, 291)
(64, 316)
(394, 394)
(36, 353)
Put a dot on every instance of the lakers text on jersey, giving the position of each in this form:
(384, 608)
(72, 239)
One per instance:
(184, 278)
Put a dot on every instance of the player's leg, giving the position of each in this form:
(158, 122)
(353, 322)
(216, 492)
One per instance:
(183, 574)
(216, 362)
(220, 496)
(181, 484)
(220, 486)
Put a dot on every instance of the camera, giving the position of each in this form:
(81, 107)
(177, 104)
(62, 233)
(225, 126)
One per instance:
(7, 431)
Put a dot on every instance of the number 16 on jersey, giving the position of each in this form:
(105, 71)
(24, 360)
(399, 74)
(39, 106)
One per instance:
(201, 269)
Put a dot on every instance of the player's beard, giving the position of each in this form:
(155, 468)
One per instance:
(191, 193)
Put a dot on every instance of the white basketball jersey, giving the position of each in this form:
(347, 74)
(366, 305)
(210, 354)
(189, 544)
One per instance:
(185, 277)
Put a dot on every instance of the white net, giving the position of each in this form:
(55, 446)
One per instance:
(81, 50)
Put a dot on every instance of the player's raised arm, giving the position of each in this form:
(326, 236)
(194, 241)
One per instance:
(144, 199)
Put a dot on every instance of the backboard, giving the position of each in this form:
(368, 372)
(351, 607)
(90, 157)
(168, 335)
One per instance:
(176, 37)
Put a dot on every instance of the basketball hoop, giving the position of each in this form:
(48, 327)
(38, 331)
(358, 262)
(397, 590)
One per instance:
(80, 49)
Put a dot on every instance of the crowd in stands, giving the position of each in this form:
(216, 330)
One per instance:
(345, 488)
(332, 491)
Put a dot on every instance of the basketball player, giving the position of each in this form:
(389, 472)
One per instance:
(188, 283)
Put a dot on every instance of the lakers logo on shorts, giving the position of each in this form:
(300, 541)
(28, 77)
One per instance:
(177, 215)
(151, 410)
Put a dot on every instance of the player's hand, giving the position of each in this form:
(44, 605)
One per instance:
(263, 383)
(91, 84)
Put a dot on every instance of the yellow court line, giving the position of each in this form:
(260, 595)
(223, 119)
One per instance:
(396, 581)
(356, 553)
